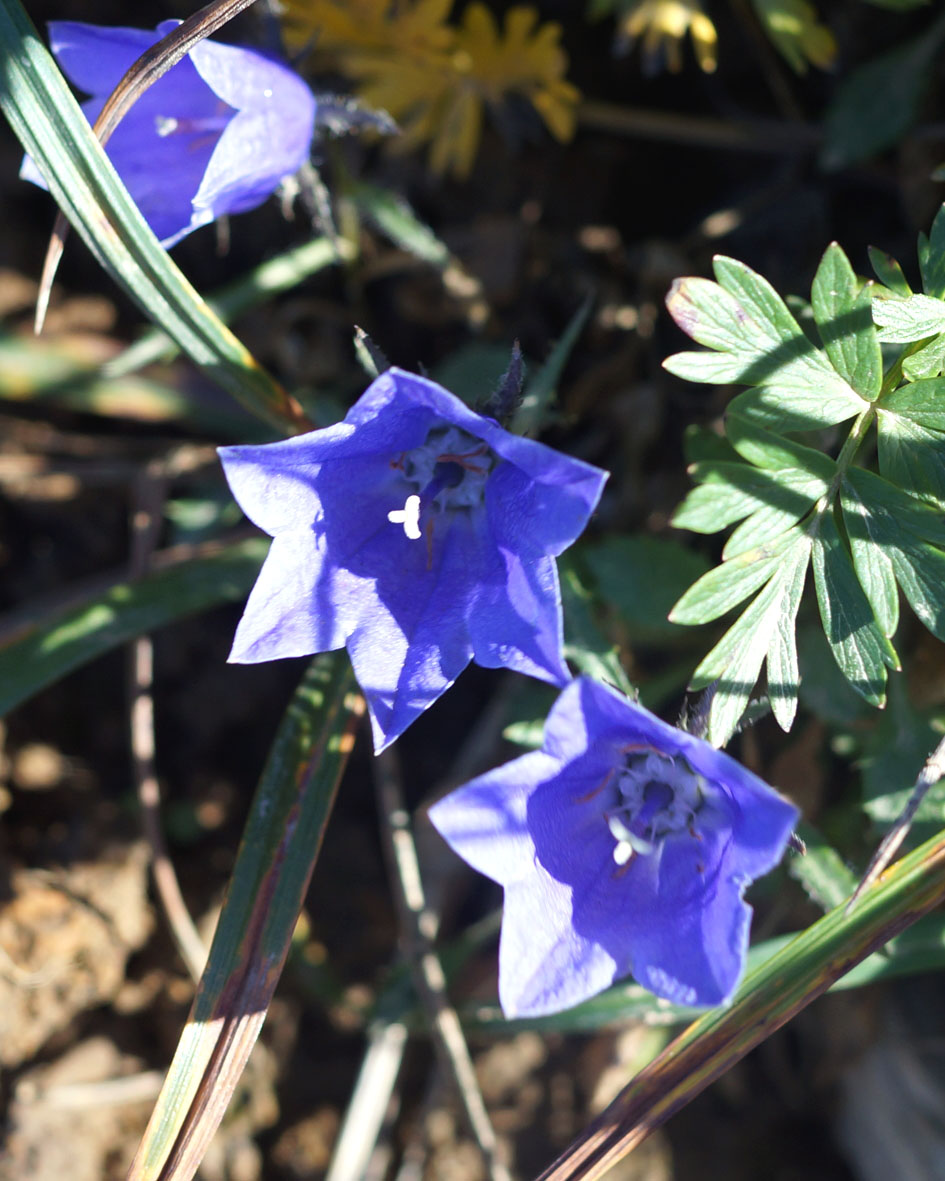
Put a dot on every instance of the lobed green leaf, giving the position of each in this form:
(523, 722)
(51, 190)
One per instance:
(902, 321)
(859, 645)
(841, 310)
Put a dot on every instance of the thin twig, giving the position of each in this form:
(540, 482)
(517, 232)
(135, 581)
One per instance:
(149, 491)
(931, 773)
(417, 925)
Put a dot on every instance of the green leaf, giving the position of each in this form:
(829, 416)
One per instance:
(727, 492)
(585, 644)
(39, 653)
(641, 578)
(902, 321)
(773, 452)
(744, 319)
(899, 528)
(932, 255)
(922, 401)
(394, 217)
(878, 102)
(842, 311)
(807, 409)
(892, 757)
(725, 586)
(859, 646)
(872, 563)
(52, 129)
(891, 511)
(763, 629)
(911, 456)
(928, 360)
(827, 880)
(281, 842)
(889, 272)
(540, 390)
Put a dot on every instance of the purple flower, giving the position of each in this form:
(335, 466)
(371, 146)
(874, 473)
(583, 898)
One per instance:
(215, 135)
(416, 532)
(623, 845)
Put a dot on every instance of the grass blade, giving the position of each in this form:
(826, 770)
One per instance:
(278, 852)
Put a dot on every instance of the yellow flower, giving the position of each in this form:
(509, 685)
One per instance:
(435, 79)
(795, 30)
(663, 24)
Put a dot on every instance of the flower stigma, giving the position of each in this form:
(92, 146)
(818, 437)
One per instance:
(656, 795)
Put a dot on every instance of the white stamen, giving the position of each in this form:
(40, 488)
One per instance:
(165, 125)
(408, 516)
(623, 851)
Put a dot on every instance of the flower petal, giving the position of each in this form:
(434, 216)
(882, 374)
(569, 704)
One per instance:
(414, 644)
(284, 615)
(94, 57)
(516, 618)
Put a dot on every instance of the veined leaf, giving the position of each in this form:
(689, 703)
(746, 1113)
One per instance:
(859, 646)
(727, 492)
(731, 583)
(765, 628)
(842, 311)
(894, 510)
(889, 530)
(902, 321)
(872, 563)
(922, 401)
(760, 343)
(927, 361)
(773, 452)
(911, 456)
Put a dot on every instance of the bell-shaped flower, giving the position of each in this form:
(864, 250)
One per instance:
(215, 135)
(623, 846)
(419, 534)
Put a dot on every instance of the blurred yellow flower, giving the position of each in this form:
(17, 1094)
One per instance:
(794, 28)
(663, 24)
(434, 78)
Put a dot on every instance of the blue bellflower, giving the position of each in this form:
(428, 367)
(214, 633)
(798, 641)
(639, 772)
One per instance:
(215, 135)
(419, 534)
(624, 846)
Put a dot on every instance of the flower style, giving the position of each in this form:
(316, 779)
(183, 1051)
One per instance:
(663, 24)
(215, 135)
(623, 845)
(419, 534)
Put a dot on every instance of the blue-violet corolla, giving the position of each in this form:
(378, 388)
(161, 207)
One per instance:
(215, 135)
(419, 534)
(624, 846)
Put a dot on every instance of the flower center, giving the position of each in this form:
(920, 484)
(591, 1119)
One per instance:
(446, 472)
(656, 795)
